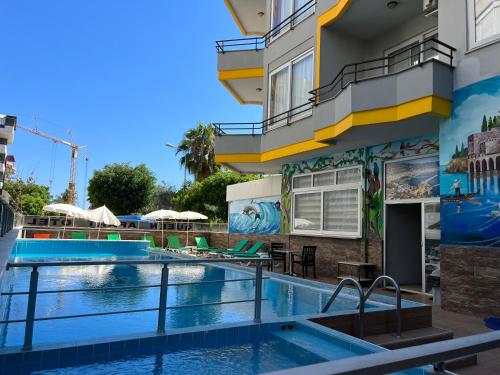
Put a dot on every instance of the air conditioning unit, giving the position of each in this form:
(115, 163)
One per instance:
(430, 7)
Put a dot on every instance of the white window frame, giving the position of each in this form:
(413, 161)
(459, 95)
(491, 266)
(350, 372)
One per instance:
(287, 28)
(289, 64)
(323, 190)
(471, 23)
(419, 38)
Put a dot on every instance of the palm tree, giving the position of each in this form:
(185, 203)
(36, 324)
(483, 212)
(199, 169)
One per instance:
(197, 149)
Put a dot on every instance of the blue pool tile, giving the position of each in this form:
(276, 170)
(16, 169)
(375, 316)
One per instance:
(160, 341)
(147, 343)
(14, 359)
(117, 348)
(186, 340)
(198, 338)
(132, 346)
(32, 357)
(101, 350)
(211, 338)
(85, 351)
(68, 356)
(51, 355)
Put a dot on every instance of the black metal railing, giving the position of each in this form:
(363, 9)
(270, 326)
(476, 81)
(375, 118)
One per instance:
(271, 123)
(6, 219)
(415, 55)
(256, 43)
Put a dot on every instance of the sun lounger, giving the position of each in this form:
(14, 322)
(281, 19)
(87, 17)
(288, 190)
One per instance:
(78, 235)
(250, 253)
(175, 245)
(202, 246)
(114, 237)
(41, 236)
(240, 246)
(152, 244)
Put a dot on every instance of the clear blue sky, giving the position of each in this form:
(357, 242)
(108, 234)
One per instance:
(125, 76)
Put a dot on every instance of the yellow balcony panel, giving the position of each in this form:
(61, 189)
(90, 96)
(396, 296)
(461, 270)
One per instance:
(249, 15)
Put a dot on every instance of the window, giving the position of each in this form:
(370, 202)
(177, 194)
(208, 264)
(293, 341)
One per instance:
(283, 9)
(484, 21)
(288, 91)
(328, 203)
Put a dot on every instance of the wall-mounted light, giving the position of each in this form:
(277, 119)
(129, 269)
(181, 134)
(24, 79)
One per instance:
(260, 14)
(258, 89)
(392, 4)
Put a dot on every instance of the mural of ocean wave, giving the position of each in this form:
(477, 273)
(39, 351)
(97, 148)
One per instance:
(255, 216)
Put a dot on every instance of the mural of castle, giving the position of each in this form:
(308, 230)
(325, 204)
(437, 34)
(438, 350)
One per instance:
(470, 187)
(425, 183)
(255, 216)
(340, 160)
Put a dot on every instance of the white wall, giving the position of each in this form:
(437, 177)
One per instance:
(265, 187)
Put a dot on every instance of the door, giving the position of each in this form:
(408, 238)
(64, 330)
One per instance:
(403, 248)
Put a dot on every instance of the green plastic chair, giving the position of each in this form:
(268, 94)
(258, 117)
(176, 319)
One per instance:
(79, 235)
(114, 237)
(152, 244)
(202, 245)
(175, 245)
(240, 246)
(252, 252)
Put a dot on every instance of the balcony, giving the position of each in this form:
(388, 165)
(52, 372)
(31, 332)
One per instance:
(242, 73)
(248, 15)
(7, 127)
(366, 103)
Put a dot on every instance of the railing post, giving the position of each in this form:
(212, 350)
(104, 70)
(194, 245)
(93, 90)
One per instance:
(30, 313)
(162, 309)
(361, 317)
(258, 292)
(398, 309)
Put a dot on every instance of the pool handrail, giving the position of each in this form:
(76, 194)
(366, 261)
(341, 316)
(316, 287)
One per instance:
(340, 286)
(384, 278)
(162, 306)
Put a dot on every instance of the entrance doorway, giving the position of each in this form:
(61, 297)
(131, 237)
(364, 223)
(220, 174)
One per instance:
(403, 248)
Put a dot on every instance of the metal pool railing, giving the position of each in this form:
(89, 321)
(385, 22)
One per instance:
(163, 285)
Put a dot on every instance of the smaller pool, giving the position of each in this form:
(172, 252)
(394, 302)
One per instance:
(35, 248)
(240, 350)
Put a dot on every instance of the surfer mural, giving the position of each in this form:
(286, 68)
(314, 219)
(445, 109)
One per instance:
(255, 216)
(470, 167)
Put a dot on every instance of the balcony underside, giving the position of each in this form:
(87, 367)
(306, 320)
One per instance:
(250, 16)
(245, 90)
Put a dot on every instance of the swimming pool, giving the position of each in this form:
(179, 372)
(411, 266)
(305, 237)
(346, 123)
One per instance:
(282, 297)
(238, 349)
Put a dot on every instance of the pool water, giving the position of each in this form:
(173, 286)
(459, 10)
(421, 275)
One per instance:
(281, 299)
(272, 350)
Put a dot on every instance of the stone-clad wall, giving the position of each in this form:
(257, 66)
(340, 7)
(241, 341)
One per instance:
(470, 280)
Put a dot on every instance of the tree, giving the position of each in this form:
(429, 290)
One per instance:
(197, 149)
(209, 196)
(490, 123)
(63, 197)
(122, 188)
(27, 197)
(484, 125)
(162, 197)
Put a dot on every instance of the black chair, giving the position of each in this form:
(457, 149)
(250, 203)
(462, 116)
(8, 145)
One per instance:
(277, 257)
(306, 260)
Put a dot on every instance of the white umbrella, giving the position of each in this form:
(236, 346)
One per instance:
(66, 209)
(190, 215)
(103, 215)
(161, 215)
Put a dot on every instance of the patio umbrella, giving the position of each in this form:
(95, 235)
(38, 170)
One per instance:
(190, 216)
(102, 215)
(67, 210)
(161, 215)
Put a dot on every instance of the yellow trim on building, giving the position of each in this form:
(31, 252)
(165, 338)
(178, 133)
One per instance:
(235, 17)
(427, 105)
(324, 20)
(226, 75)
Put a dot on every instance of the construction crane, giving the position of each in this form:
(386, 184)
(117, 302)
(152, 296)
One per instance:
(74, 156)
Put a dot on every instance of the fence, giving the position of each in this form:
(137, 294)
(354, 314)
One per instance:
(162, 307)
(6, 219)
